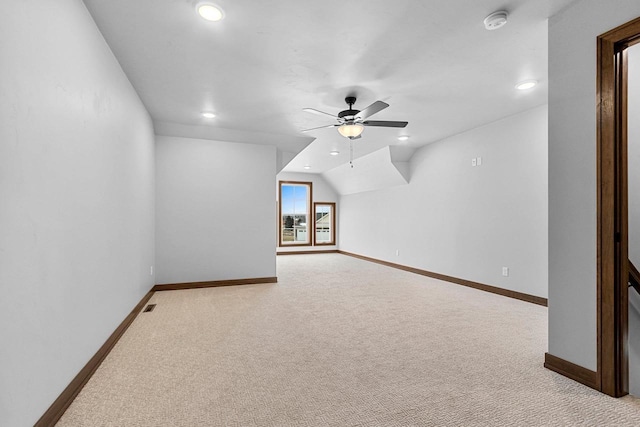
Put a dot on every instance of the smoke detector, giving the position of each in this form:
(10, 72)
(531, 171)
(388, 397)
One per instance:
(495, 20)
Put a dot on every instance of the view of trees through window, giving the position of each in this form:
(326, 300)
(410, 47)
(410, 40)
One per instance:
(295, 205)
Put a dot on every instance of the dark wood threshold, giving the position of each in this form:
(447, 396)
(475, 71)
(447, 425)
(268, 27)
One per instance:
(57, 408)
(571, 370)
(487, 288)
(213, 284)
(324, 251)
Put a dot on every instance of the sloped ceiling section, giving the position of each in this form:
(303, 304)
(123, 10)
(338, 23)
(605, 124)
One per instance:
(387, 167)
(288, 146)
(283, 159)
(432, 61)
(400, 157)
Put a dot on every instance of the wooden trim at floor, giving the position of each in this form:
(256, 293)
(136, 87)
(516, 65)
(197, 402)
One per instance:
(60, 405)
(213, 284)
(487, 288)
(571, 370)
(324, 251)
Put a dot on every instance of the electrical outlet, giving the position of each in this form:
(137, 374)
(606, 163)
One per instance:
(505, 271)
(151, 271)
(479, 161)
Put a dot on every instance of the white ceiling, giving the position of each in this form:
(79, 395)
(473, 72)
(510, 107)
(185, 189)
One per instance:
(431, 60)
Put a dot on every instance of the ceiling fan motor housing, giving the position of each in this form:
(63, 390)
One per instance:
(350, 112)
(347, 113)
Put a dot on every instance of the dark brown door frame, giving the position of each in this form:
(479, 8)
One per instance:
(612, 258)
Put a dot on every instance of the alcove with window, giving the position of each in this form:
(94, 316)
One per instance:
(301, 221)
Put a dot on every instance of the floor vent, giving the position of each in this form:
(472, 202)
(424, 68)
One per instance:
(149, 308)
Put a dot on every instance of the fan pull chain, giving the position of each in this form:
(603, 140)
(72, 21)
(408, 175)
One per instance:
(351, 153)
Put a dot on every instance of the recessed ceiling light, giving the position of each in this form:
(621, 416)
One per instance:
(307, 167)
(527, 84)
(208, 115)
(403, 137)
(334, 152)
(210, 12)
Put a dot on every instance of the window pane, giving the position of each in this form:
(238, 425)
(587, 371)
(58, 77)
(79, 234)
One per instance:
(294, 210)
(324, 224)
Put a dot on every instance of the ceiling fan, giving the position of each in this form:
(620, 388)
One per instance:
(351, 122)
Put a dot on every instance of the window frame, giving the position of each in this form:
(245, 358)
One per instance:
(310, 214)
(333, 223)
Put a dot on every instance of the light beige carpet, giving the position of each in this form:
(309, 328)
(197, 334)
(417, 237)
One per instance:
(338, 342)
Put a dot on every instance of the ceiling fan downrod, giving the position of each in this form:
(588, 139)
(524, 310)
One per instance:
(350, 100)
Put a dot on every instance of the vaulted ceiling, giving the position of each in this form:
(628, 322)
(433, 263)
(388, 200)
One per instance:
(432, 61)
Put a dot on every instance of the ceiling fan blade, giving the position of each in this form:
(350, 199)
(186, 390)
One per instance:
(314, 111)
(320, 127)
(386, 124)
(371, 110)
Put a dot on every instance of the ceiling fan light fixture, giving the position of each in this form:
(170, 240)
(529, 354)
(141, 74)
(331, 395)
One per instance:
(210, 12)
(351, 130)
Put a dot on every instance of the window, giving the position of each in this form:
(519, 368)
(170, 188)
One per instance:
(294, 213)
(325, 223)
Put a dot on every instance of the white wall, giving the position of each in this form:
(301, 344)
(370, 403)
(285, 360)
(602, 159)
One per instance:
(76, 200)
(215, 211)
(572, 173)
(322, 191)
(464, 221)
(633, 156)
